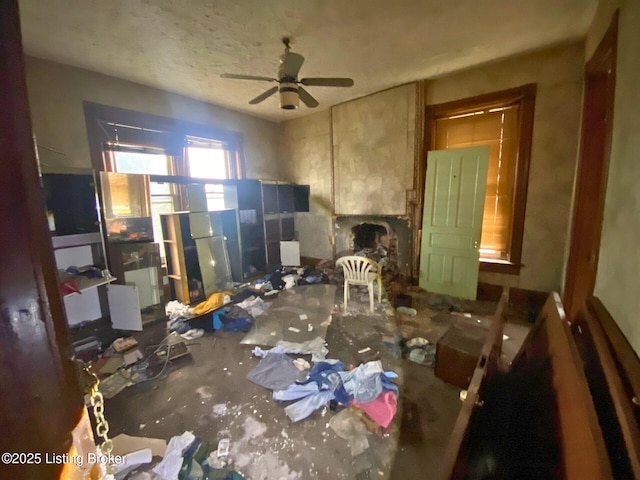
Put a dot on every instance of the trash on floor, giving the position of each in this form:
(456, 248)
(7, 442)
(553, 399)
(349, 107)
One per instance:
(124, 444)
(175, 309)
(186, 457)
(123, 344)
(315, 347)
(169, 467)
(314, 301)
(215, 300)
(275, 371)
(407, 311)
(114, 384)
(254, 305)
(367, 386)
(421, 351)
(348, 426)
(192, 334)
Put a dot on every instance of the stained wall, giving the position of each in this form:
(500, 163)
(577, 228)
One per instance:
(306, 154)
(558, 75)
(372, 153)
(56, 93)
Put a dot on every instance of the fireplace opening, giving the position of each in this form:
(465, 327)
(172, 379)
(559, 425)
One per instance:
(384, 239)
(377, 242)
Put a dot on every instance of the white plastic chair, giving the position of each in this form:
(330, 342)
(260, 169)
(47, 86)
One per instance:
(360, 271)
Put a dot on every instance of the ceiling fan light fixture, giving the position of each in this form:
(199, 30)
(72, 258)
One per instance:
(289, 87)
(289, 99)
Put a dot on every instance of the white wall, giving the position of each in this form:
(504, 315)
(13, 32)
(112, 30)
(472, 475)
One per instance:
(56, 93)
(618, 278)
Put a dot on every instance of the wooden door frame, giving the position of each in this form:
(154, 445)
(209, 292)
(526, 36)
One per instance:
(42, 400)
(593, 166)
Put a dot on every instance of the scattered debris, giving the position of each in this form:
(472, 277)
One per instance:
(192, 334)
(123, 444)
(407, 311)
(348, 426)
(254, 305)
(169, 467)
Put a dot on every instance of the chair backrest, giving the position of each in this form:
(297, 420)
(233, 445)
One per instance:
(357, 269)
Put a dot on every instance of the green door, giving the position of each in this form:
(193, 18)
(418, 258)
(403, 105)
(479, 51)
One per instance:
(452, 220)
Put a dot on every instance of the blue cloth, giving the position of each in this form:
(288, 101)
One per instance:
(217, 323)
(237, 325)
(366, 382)
(387, 384)
(305, 407)
(327, 376)
(320, 371)
(276, 371)
(295, 392)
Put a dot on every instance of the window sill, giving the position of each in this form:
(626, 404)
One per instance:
(500, 266)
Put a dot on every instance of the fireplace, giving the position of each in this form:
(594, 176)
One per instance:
(387, 234)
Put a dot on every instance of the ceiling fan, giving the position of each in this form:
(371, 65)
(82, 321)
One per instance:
(289, 86)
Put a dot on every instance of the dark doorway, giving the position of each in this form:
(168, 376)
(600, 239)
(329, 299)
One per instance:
(592, 172)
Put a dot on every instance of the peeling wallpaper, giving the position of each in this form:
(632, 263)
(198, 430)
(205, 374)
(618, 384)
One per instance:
(618, 278)
(373, 151)
(56, 93)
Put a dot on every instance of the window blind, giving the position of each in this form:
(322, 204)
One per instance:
(498, 129)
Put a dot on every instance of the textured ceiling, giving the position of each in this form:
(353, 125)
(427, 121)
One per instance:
(183, 45)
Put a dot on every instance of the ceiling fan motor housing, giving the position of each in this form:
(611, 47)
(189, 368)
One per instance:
(289, 99)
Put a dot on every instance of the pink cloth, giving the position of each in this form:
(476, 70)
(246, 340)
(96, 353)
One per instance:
(382, 409)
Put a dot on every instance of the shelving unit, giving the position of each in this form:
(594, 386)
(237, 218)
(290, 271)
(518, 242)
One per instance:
(77, 241)
(266, 218)
(85, 283)
(80, 250)
(203, 253)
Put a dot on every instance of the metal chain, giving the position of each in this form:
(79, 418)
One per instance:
(102, 426)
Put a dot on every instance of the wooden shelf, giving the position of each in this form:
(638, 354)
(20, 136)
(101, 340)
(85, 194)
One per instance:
(85, 283)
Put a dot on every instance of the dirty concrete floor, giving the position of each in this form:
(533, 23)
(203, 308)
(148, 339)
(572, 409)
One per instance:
(207, 393)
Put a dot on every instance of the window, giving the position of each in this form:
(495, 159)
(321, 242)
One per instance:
(164, 196)
(502, 121)
(208, 159)
(133, 142)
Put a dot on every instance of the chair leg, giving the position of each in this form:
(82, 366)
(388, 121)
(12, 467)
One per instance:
(371, 296)
(379, 290)
(346, 293)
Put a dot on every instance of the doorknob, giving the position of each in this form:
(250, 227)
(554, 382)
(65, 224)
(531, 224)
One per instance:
(475, 244)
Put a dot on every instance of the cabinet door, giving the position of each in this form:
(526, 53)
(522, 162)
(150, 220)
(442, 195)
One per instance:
(288, 230)
(124, 307)
(272, 230)
(285, 198)
(301, 198)
(270, 198)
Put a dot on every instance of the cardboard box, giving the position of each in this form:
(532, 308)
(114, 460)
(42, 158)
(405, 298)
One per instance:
(458, 350)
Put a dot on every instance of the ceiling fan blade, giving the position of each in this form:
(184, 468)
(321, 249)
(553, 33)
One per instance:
(327, 82)
(247, 77)
(306, 97)
(264, 95)
(291, 65)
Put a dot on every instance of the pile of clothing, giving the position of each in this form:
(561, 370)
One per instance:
(367, 387)
(190, 458)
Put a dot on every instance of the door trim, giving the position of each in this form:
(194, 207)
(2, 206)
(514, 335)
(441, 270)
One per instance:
(595, 149)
